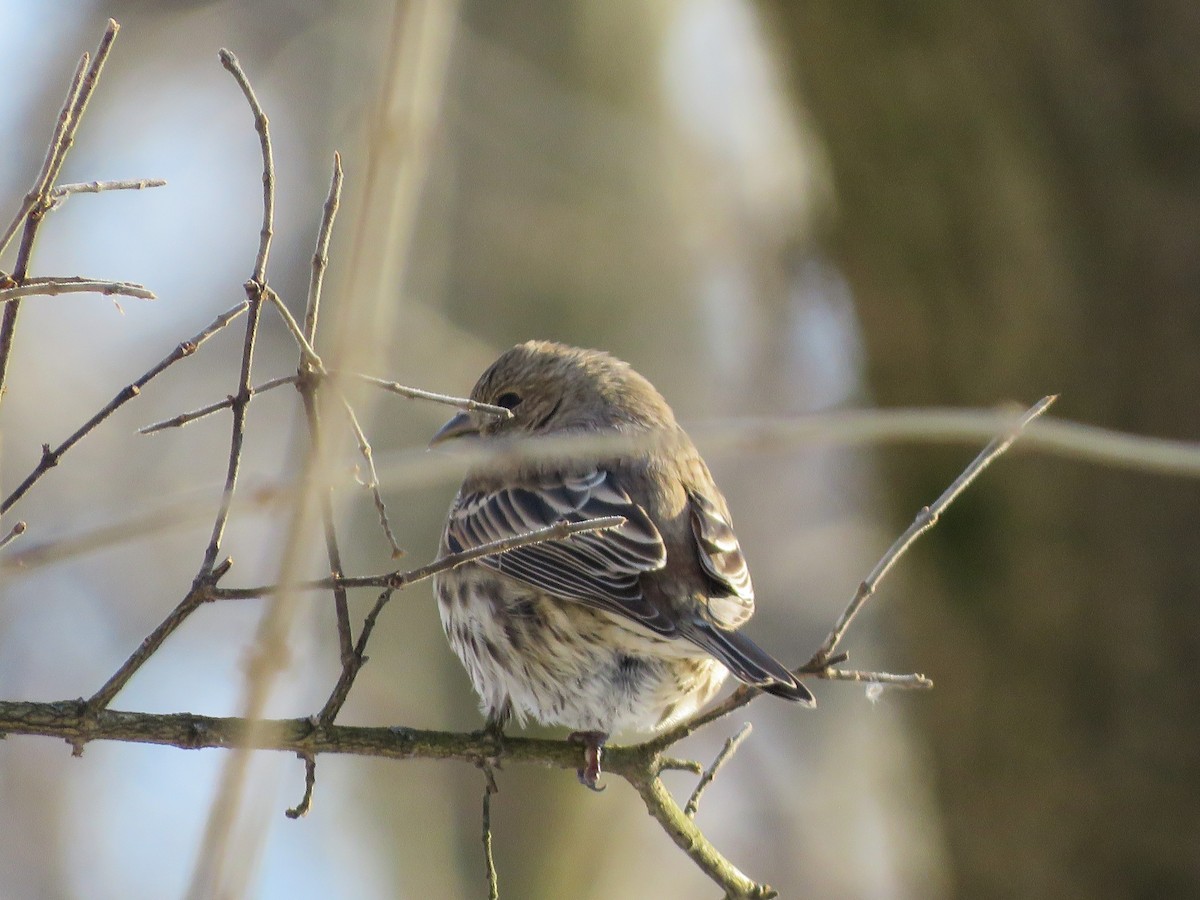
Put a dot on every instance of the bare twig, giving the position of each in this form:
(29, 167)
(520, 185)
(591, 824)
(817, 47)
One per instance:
(59, 195)
(309, 383)
(37, 202)
(57, 140)
(198, 594)
(13, 533)
(207, 874)
(51, 457)
(489, 861)
(188, 417)
(308, 356)
(255, 288)
(74, 722)
(925, 520)
(53, 287)
(308, 389)
(400, 580)
(824, 659)
(185, 418)
(320, 260)
(262, 126)
(418, 394)
(730, 748)
(674, 764)
(396, 581)
(914, 681)
(300, 810)
(683, 831)
(372, 483)
(315, 372)
(352, 664)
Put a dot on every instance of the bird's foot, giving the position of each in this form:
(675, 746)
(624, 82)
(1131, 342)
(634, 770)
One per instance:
(593, 750)
(492, 733)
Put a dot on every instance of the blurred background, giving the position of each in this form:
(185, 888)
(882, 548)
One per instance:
(767, 207)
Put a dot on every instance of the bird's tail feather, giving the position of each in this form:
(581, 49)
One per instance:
(749, 662)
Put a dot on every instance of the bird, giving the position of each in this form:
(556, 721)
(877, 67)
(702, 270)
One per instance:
(629, 629)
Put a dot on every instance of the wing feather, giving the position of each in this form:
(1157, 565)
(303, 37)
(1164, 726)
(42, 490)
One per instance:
(721, 556)
(599, 569)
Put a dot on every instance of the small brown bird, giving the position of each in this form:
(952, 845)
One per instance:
(633, 628)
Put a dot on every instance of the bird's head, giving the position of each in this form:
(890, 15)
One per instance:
(552, 388)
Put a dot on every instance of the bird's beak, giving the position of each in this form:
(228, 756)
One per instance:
(462, 425)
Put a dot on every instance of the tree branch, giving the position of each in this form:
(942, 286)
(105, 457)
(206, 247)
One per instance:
(53, 287)
(51, 456)
(37, 201)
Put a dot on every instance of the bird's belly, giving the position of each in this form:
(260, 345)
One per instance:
(562, 663)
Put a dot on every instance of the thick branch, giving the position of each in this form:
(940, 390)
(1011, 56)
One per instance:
(690, 839)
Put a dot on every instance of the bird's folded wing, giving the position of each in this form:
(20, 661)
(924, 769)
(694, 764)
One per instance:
(599, 569)
(721, 556)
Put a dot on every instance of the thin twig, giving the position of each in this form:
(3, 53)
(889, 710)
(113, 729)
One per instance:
(489, 861)
(915, 681)
(64, 138)
(207, 873)
(333, 553)
(310, 360)
(53, 287)
(925, 520)
(418, 394)
(59, 195)
(730, 748)
(320, 260)
(308, 356)
(46, 175)
(364, 448)
(341, 690)
(37, 202)
(400, 580)
(185, 418)
(674, 764)
(51, 457)
(309, 384)
(198, 594)
(188, 417)
(396, 581)
(300, 810)
(262, 126)
(683, 831)
(13, 533)
(824, 659)
(254, 291)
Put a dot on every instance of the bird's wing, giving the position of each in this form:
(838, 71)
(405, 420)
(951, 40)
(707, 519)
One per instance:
(721, 556)
(599, 569)
(730, 604)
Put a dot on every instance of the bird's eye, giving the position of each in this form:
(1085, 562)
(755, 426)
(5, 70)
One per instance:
(508, 400)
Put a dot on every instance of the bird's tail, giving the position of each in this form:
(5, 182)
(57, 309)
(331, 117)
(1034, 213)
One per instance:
(749, 662)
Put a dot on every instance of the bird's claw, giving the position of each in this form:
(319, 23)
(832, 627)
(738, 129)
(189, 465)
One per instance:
(593, 750)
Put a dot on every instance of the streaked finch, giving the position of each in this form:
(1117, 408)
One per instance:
(629, 629)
